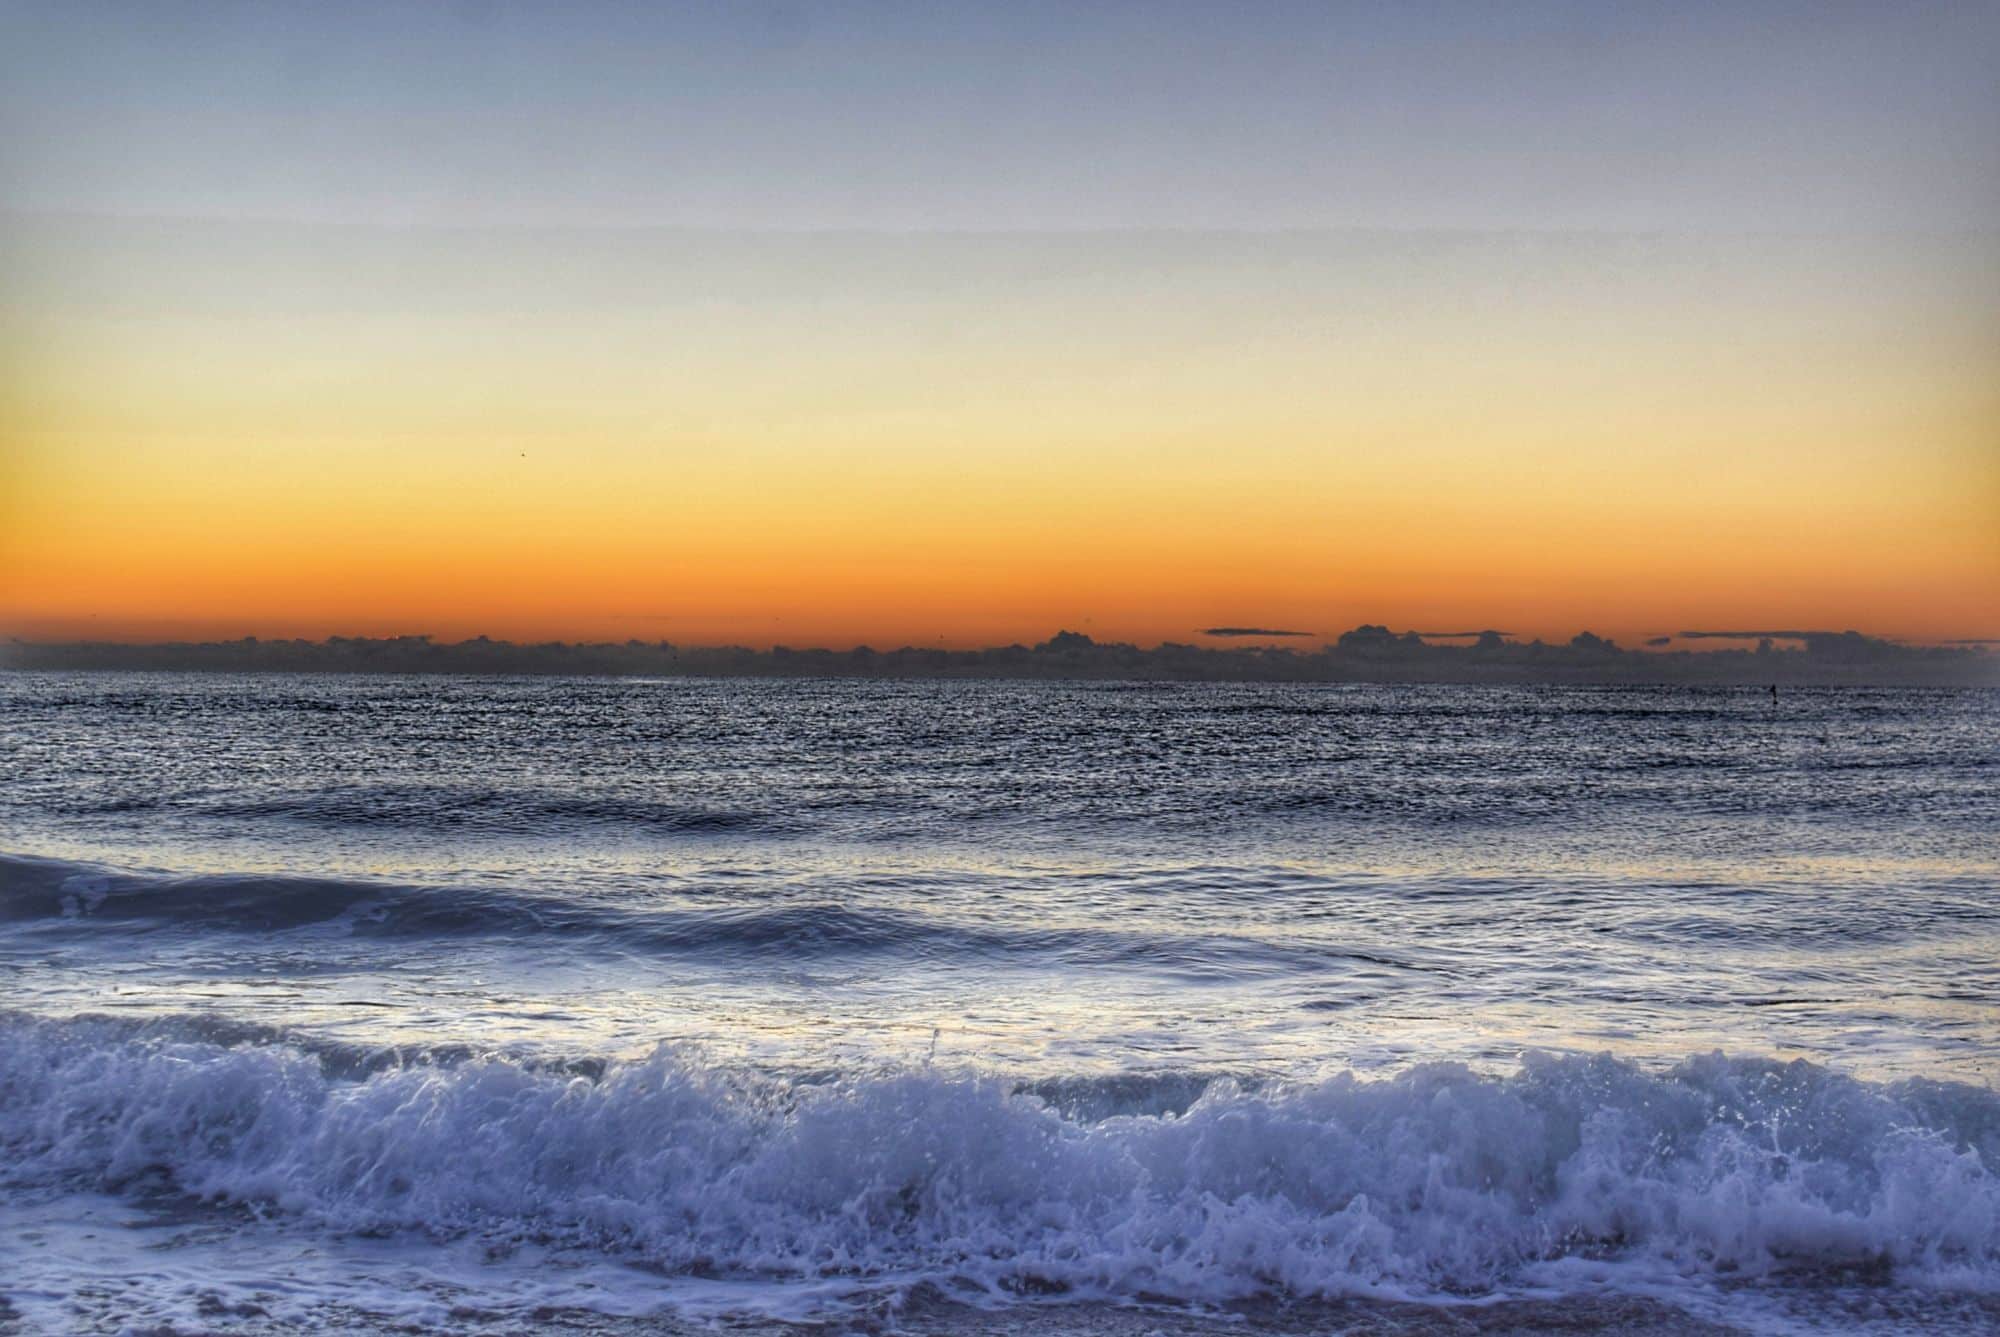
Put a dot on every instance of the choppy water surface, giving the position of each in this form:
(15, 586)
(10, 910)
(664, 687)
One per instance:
(348, 1000)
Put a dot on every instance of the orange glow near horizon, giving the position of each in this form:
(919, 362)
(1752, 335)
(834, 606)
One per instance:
(216, 431)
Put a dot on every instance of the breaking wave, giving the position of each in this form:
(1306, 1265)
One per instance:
(1438, 1181)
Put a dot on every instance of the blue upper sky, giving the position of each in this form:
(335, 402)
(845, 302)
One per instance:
(1531, 115)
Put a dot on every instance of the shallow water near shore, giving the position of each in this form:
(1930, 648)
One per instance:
(477, 1005)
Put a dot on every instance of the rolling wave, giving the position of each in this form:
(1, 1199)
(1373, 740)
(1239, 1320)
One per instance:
(83, 896)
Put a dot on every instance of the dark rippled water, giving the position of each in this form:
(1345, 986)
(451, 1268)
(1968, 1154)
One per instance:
(452, 1001)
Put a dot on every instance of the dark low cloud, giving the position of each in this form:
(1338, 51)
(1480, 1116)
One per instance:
(1363, 654)
(1251, 631)
(1459, 635)
(1850, 645)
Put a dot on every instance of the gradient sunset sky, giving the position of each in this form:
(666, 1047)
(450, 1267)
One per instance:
(820, 324)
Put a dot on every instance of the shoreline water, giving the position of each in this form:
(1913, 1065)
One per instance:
(159, 1264)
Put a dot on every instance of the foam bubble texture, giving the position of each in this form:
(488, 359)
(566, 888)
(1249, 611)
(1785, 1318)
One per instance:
(1438, 1179)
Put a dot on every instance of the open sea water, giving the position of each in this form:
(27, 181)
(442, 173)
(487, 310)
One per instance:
(482, 1005)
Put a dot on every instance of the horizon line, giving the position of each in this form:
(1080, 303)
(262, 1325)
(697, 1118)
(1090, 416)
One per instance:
(1062, 636)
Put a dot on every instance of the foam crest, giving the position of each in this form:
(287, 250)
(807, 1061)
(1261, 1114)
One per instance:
(1438, 1180)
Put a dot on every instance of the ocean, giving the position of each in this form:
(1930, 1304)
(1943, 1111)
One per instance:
(495, 1005)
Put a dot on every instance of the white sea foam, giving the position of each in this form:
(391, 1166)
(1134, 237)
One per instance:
(1437, 1181)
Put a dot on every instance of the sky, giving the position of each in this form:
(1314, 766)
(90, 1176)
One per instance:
(824, 324)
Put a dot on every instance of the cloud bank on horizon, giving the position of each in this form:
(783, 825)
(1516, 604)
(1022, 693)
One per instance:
(1368, 653)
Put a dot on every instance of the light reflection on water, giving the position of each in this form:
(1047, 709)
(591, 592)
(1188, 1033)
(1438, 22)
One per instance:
(1257, 878)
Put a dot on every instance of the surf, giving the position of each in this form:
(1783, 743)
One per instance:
(1434, 1182)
